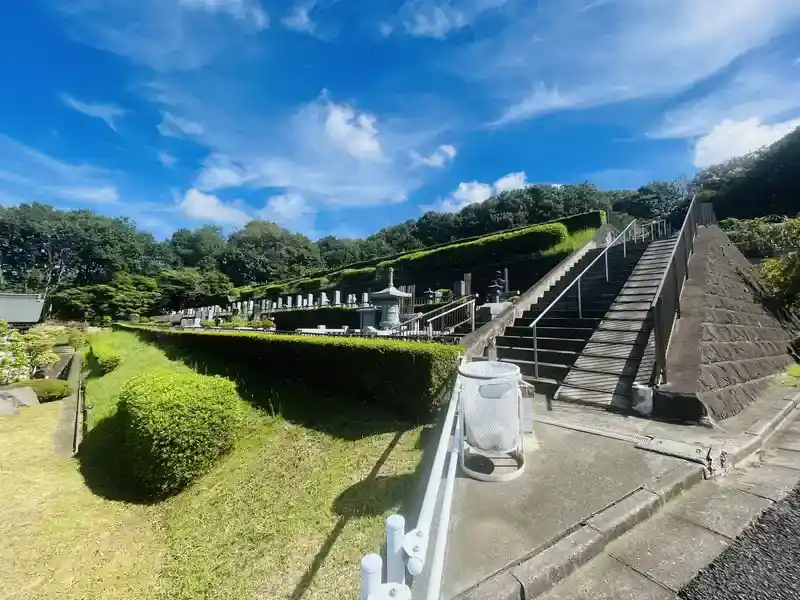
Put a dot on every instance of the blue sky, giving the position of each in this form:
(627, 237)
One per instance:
(343, 116)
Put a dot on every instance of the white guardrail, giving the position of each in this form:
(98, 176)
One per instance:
(407, 552)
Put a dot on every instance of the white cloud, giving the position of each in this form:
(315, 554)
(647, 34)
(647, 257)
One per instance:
(299, 19)
(249, 11)
(98, 195)
(441, 156)
(167, 36)
(617, 51)
(106, 112)
(354, 132)
(173, 126)
(757, 91)
(386, 29)
(736, 138)
(473, 191)
(210, 209)
(291, 211)
(30, 175)
(167, 159)
(437, 18)
(512, 181)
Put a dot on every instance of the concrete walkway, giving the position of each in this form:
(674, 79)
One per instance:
(658, 558)
(592, 477)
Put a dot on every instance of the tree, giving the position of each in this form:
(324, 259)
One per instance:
(39, 348)
(262, 252)
(200, 248)
(337, 252)
(190, 288)
(14, 363)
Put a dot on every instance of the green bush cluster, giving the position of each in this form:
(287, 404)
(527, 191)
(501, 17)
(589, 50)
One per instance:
(105, 356)
(466, 252)
(263, 324)
(176, 425)
(207, 324)
(233, 322)
(47, 389)
(77, 338)
(412, 379)
(106, 321)
(133, 318)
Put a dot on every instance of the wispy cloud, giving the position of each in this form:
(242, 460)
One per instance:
(164, 35)
(208, 208)
(736, 138)
(167, 159)
(173, 126)
(438, 158)
(28, 174)
(291, 211)
(559, 57)
(106, 112)
(299, 19)
(438, 18)
(471, 192)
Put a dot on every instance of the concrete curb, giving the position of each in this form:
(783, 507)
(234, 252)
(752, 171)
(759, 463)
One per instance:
(537, 574)
(542, 571)
(759, 433)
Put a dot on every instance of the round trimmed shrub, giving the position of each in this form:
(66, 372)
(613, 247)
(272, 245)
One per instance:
(176, 426)
(47, 390)
(207, 324)
(105, 355)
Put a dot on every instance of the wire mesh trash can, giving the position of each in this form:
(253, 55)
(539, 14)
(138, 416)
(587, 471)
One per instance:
(491, 421)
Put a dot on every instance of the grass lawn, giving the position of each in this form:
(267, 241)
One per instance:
(287, 514)
(793, 377)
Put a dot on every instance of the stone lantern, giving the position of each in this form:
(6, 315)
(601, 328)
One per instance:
(388, 301)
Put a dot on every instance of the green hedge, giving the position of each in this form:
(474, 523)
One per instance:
(176, 425)
(412, 379)
(47, 389)
(462, 253)
(105, 356)
(333, 317)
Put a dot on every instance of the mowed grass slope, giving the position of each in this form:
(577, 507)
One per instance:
(287, 514)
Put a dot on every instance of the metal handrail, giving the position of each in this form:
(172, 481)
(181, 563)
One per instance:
(452, 305)
(577, 281)
(665, 308)
(470, 304)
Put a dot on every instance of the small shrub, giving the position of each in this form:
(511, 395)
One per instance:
(106, 321)
(144, 319)
(263, 324)
(162, 324)
(207, 324)
(47, 389)
(77, 338)
(176, 426)
(134, 318)
(105, 356)
(234, 322)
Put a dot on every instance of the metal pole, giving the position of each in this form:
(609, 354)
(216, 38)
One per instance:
(580, 303)
(651, 230)
(472, 315)
(535, 353)
(625, 245)
(371, 566)
(606, 259)
(395, 534)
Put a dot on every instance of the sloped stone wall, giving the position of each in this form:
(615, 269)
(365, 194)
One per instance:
(727, 345)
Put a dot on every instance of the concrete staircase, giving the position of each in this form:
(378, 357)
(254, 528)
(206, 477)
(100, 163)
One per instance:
(605, 371)
(562, 337)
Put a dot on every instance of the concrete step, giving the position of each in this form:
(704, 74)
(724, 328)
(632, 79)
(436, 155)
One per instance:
(577, 395)
(621, 325)
(551, 332)
(606, 364)
(629, 315)
(553, 371)
(619, 350)
(630, 305)
(618, 337)
(543, 343)
(556, 357)
(548, 321)
(599, 382)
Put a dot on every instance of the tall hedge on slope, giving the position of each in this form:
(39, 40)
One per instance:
(410, 379)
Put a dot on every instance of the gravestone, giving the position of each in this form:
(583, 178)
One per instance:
(364, 299)
(280, 303)
(288, 302)
(337, 298)
(323, 299)
(459, 289)
(299, 300)
(310, 300)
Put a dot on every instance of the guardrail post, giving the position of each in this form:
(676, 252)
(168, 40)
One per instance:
(580, 303)
(371, 566)
(606, 260)
(535, 354)
(395, 534)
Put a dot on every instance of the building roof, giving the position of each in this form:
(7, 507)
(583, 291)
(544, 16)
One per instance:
(22, 309)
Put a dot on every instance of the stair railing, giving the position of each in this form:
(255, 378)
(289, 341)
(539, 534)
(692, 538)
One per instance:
(446, 322)
(666, 306)
(420, 324)
(631, 232)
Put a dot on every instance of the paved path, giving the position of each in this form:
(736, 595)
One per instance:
(658, 558)
(762, 564)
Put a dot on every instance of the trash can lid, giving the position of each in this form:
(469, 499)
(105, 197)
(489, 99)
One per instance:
(489, 369)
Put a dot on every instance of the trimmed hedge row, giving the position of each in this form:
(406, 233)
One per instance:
(176, 425)
(529, 239)
(333, 317)
(411, 379)
(105, 356)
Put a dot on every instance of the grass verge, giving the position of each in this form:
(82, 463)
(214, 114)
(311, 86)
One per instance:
(793, 376)
(287, 514)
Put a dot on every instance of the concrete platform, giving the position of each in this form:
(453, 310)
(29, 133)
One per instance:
(568, 478)
(592, 476)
